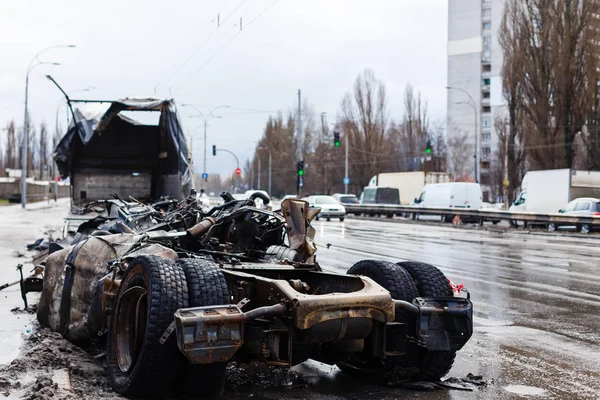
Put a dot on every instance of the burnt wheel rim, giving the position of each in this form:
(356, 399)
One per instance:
(130, 326)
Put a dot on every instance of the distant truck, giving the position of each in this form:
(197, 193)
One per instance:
(546, 192)
(410, 184)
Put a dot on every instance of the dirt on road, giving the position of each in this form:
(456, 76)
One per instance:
(50, 367)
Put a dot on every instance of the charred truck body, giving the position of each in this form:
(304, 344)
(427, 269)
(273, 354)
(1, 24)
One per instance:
(107, 152)
(174, 294)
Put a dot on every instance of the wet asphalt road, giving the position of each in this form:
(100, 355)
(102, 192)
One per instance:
(536, 300)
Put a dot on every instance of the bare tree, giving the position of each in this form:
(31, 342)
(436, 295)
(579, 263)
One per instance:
(10, 146)
(365, 121)
(43, 151)
(459, 160)
(414, 129)
(550, 73)
(437, 136)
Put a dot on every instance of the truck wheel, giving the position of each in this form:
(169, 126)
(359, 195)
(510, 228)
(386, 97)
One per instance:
(206, 287)
(584, 228)
(282, 253)
(431, 282)
(389, 275)
(342, 219)
(401, 287)
(152, 289)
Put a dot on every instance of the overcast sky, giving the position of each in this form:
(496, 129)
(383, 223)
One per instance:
(131, 48)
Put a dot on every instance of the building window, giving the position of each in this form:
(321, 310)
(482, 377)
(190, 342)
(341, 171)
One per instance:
(485, 95)
(487, 82)
(486, 109)
(487, 13)
(487, 26)
(487, 41)
(486, 68)
(486, 136)
(486, 122)
(486, 152)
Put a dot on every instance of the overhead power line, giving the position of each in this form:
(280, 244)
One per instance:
(206, 39)
(246, 26)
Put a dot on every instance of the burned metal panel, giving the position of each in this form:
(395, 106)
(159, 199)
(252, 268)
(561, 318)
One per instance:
(89, 185)
(371, 301)
(209, 334)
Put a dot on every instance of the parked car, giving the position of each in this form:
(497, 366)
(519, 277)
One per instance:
(346, 198)
(582, 207)
(330, 207)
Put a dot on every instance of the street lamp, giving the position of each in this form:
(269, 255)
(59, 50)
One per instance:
(205, 119)
(35, 61)
(474, 106)
(62, 102)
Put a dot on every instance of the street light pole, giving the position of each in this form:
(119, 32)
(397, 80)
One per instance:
(346, 178)
(237, 162)
(505, 182)
(476, 152)
(30, 67)
(205, 119)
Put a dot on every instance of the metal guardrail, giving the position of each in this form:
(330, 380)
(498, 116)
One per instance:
(477, 215)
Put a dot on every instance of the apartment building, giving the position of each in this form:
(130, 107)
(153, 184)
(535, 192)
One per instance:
(474, 81)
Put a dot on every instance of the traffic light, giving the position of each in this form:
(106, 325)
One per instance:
(300, 168)
(336, 139)
(214, 149)
(428, 148)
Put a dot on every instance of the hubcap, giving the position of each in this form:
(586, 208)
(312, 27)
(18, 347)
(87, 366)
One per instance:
(131, 326)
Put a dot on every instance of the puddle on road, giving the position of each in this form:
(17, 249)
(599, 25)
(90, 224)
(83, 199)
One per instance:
(524, 390)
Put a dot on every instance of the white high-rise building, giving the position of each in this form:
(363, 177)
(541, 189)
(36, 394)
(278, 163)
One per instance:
(474, 79)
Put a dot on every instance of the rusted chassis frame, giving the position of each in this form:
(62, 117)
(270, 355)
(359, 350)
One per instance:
(284, 325)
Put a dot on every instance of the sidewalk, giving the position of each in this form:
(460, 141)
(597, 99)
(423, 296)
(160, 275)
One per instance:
(19, 227)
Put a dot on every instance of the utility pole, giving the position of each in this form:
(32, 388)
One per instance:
(252, 175)
(299, 143)
(270, 160)
(506, 182)
(204, 166)
(258, 173)
(270, 166)
(346, 177)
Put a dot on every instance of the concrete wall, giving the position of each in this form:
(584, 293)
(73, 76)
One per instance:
(36, 191)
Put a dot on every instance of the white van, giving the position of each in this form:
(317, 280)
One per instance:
(455, 194)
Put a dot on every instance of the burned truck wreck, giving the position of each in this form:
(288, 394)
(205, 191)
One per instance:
(174, 294)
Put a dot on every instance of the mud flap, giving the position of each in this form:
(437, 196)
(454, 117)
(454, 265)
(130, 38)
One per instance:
(444, 323)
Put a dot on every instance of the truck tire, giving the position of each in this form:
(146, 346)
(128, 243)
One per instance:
(152, 289)
(401, 287)
(282, 253)
(206, 287)
(389, 275)
(431, 282)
